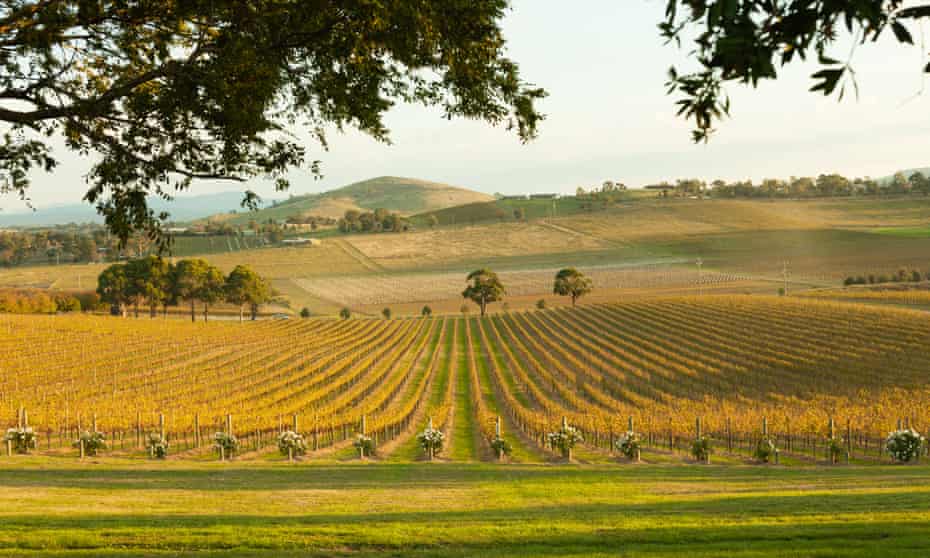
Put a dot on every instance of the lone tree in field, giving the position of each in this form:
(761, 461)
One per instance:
(573, 283)
(245, 287)
(168, 92)
(345, 313)
(386, 313)
(426, 312)
(485, 288)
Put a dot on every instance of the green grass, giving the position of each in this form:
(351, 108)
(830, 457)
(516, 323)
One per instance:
(53, 508)
(904, 232)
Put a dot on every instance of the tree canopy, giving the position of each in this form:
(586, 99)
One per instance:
(484, 288)
(170, 91)
(573, 283)
(747, 41)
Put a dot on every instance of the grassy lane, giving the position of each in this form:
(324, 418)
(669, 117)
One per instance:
(114, 508)
(464, 430)
(523, 452)
(410, 449)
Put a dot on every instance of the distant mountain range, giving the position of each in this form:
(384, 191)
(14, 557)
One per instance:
(182, 208)
(406, 196)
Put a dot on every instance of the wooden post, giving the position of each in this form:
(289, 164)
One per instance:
(497, 434)
(729, 437)
(765, 427)
(848, 441)
(196, 430)
(93, 422)
(831, 429)
(229, 425)
(161, 425)
(296, 424)
(9, 448)
(81, 445)
(25, 418)
(139, 430)
(430, 450)
(629, 424)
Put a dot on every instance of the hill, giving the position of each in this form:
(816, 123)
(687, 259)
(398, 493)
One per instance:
(406, 196)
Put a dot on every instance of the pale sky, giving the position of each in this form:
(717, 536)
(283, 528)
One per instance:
(604, 67)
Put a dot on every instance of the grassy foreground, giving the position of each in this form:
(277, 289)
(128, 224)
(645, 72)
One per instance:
(117, 508)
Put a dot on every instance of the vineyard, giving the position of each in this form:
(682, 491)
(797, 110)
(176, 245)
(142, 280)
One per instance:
(737, 364)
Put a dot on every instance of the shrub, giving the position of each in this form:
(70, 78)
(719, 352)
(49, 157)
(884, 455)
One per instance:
(22, 439)
(916, 276)
(766, 450)
(226, 442)
(904, 445)
(304, 312)
(345, 313)
(431, 439)
(701, 448)
(629, 444)
(364, 444)
(291, 443)
(157, 446)
(541, 304)
(500, 446)
(835, 448)
(386, 313)
(426, 312)
(565, 439)
(93, 442)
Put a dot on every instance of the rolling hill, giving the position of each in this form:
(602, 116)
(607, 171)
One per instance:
(406, 196)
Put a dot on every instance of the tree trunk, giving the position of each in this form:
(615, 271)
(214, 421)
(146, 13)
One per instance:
(573, 300)
(241, 311)
(193, 311)
(254, 312)
(135, 308)
(206, 311)
(153, 311)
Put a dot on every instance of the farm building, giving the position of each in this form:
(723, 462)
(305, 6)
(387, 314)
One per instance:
(302, 241)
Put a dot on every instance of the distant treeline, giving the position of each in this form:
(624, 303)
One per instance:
(379, 220)
(154, 283)
(36, 301)
(825, 185)
(901, 276)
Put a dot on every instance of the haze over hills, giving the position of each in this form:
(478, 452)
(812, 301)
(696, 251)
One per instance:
(182, 208)
(406, 196)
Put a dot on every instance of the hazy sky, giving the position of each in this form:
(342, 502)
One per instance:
(608, 117)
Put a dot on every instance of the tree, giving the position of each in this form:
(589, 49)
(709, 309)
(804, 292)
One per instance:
(484, 289)
(170, 92)
(746, 41)
(188, 279)
(150, 280)
(426, 312)
(573, 283)
(386, 313)
(212, 289)
(245, 287)
(86, 249)
(113, 286)
(541, 304)
(304, 313)
(345, 313)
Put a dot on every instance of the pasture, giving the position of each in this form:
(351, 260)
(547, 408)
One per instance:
(113, 507)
